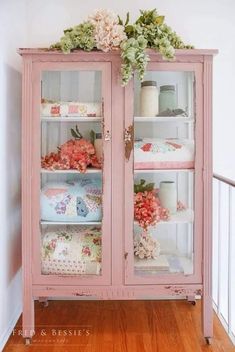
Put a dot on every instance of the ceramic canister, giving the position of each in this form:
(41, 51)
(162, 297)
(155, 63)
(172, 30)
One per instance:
(149, 99)
(168, 196)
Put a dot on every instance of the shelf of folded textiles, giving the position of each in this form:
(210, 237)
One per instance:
(71, 118)
(84, 223)
(90, 170)
(163, 264)
(184, 119)
(180, 217)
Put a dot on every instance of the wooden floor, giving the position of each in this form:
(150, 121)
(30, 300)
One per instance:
(119, 326)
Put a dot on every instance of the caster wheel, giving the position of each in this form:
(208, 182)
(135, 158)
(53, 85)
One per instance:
(27, 341)
(45, 304)
(193, 303)
(208, 340)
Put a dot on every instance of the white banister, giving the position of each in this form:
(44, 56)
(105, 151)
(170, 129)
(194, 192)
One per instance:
(224, 272)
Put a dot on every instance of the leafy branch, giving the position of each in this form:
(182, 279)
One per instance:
(76, 133)
(143, 186)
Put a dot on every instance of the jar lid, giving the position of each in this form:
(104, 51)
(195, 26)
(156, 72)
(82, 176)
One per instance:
(98, 135)
(167, 87)
(149, 83)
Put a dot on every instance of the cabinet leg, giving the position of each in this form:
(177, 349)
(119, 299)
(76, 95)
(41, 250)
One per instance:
(207, 317)
(192, 300)
(27, 341)
(208, 340)
(28, 325)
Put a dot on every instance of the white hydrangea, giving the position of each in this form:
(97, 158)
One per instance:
(146, 247)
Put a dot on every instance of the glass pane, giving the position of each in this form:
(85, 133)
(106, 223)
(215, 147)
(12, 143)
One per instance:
(164, 174)
(71, 172)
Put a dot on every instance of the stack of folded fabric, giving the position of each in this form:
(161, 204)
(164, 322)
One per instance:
(164, 153)
(69, 109)
(78, 201)
(74, 250)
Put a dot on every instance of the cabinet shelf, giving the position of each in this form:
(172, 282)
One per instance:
(181, 217)
(92, 223)
(163, 119)
(54, 172)
(71, 119)
(151, 171)
(164, 264)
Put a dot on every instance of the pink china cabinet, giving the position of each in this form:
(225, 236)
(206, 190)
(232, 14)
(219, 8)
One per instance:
(116, 204)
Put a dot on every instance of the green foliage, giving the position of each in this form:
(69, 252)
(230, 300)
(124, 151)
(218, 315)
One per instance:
(134, 58)
(92, 136)
(157, 35)
(143, 186)
(76, 133)
(78, 37)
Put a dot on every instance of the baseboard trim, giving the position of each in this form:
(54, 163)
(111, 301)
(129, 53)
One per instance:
(7, 333)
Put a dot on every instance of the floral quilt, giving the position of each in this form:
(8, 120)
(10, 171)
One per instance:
(163, 153)
(70, 251)
(69, 109)
(72, 201)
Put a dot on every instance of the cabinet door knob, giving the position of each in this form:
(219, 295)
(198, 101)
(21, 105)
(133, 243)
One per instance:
(107, 136)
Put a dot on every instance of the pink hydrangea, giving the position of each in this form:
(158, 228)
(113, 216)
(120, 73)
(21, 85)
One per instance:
(74, 154)
(148, 210)
(108, 33)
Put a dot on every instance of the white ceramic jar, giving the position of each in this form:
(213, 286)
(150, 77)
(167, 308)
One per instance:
(168, 196)
(98, 144)
(149, 99)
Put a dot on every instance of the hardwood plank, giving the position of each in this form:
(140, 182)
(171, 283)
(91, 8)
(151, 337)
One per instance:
(121, 326)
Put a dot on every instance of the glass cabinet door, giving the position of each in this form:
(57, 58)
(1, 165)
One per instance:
(163, 240)
(74, 157)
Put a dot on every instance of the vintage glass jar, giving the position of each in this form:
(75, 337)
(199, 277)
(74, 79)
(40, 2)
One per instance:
(167, 98)
(149, 97)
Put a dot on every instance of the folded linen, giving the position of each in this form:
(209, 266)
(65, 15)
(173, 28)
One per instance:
(72, 108)
(71, 251)
(72, 201)
(163, 153)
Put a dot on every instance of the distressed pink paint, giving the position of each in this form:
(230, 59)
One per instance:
(117, 280)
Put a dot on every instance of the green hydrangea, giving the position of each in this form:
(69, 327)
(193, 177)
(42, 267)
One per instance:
(78, 37)
(151, 28)
(134, 58)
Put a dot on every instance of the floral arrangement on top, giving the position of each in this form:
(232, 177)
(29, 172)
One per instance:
(104, 30)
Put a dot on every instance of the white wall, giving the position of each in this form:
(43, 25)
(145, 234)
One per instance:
(204, 23)
(13, 27)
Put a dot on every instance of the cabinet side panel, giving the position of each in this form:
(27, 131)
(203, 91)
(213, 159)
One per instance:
(207, 233)
(28, 303)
